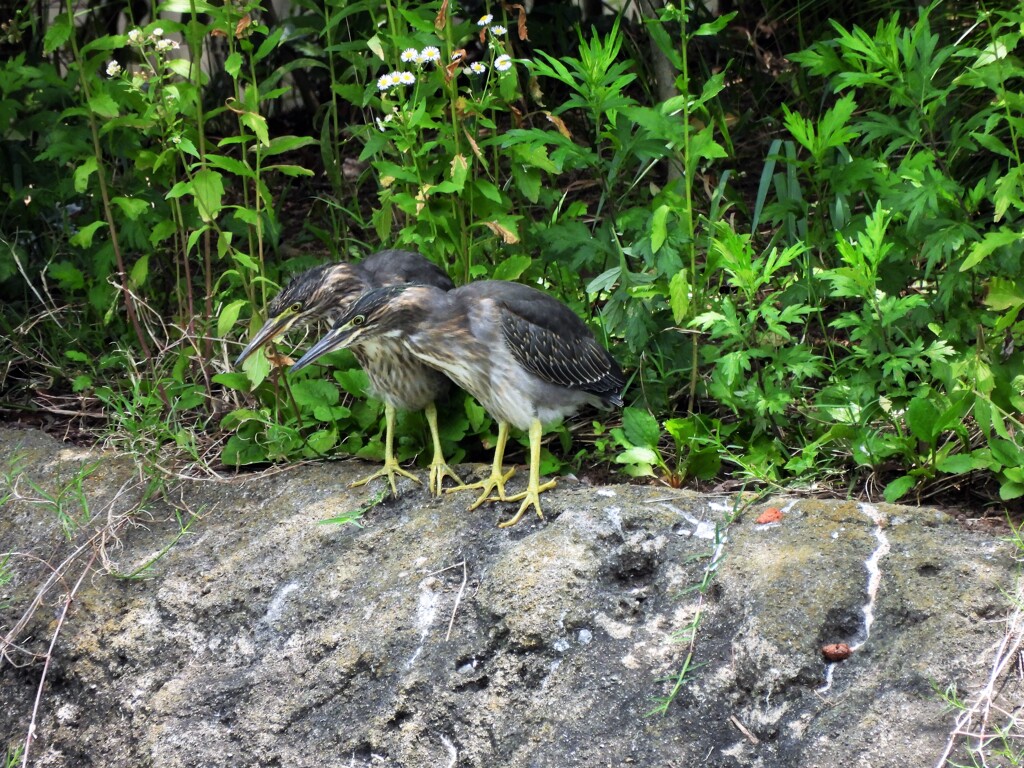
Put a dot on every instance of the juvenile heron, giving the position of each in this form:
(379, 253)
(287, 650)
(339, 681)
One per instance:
(396, 377)
(524, 355)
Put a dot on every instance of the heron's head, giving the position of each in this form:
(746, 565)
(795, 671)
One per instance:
(390, 311)
(316, 294)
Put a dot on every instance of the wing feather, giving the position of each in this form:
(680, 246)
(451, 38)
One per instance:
(551, 342)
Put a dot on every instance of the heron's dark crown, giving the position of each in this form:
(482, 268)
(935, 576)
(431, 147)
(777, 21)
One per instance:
(317, 289)
(381, 304)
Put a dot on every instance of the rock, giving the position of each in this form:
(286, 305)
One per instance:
(428, 637)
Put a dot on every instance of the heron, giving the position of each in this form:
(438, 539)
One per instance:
(524, 355)
(397, 378)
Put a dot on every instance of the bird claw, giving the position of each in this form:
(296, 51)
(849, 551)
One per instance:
(390, 469)
(494, 480)
(530, 497)
(439, 470)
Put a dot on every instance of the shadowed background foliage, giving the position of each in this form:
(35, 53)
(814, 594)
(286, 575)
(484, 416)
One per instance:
(795, 224)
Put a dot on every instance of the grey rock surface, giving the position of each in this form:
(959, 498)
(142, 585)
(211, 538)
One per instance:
(428, 637)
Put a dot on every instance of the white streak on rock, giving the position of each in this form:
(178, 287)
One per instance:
(872, 564)
(276, 606)
(426, 611)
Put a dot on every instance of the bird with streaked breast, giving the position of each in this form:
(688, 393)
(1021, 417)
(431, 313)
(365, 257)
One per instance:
(401, 381)
(525, 356)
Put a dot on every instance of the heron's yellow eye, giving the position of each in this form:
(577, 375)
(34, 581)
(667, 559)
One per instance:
(358, 320)
(297, 306)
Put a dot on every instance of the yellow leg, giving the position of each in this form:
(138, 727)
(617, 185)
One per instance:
(531, 496)
(439, 468)
(496, 479)
(390, 468)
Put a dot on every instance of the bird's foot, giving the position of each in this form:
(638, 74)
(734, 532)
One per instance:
(495, 480)
(389, 470)
(439, 470)
(530, 497)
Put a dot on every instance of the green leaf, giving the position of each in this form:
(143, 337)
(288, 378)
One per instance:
(512, 268)
(605, 280)
(376, 48)
(1011, 490)
(162, 230)
(289, 170)
(140, 270)
(78, 357)
(232, 65)
(180, 189)
(208, 188)
(659, 228)
(132, 207)
(321, 441)
(957, 464)
(269, 44)
(314, 392)
(922, 417)
(184, 69)
(898, 488)
(256, 368)
(258, 125)
(190, 6)
(67, 274)
(640, 427)
(533, 155)
(103, 104)
(487, 189)
(229, 316)
(231, 165)
(638, 454)
(989, 243)
(715, 26)
(1006, 452)
(83, 172)
(1003, 294)
(57, 34)
(679, 296)
(287, 143)
(232, 380)
(83, 238)
(354, 381)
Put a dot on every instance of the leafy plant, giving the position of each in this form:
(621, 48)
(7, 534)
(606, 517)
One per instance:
(696, 447)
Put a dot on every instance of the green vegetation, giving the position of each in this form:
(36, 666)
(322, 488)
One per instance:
(827, 292)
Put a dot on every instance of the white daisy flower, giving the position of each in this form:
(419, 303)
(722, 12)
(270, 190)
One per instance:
(498, 30)
(431, 53)
(158, 32)
(410, 54)
(477, 68)
(113, 69)
(405, 78)
(503, 63)
(385, 81)
(485, 20)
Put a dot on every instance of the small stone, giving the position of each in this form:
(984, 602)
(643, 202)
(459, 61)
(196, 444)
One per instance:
(836, 651)
(770, 515)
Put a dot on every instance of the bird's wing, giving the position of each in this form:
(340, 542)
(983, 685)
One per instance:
(551, 342)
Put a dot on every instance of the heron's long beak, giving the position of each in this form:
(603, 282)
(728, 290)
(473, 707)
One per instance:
(338, 337)
(271, 329)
